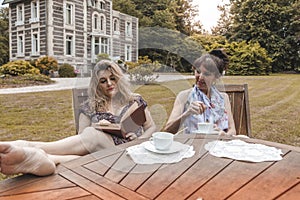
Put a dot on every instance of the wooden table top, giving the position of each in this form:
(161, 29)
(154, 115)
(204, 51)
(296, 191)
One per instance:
(111, 174)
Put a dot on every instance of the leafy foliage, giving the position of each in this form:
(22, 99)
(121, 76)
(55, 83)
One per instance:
(245, 58)
(142, 72)
(172, 14)
(45, 64)
(274, 24)
(17, 68)
(102, 56)
(4, 36)
(66, 70)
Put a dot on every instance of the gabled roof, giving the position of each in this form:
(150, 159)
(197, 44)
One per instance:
(10, 1)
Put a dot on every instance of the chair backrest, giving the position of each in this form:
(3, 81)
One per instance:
(79, 96)
(239, 100)
(238, 96)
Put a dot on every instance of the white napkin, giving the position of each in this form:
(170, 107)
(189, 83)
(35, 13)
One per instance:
(142, 156)
(240, 150)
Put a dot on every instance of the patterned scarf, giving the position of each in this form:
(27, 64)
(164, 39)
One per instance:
(215, 111)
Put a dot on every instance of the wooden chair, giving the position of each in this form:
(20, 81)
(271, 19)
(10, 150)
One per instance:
(239, 100)
(238, 96)
(79, 96)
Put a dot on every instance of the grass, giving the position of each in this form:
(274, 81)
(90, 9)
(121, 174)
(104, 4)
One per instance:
(47, 116)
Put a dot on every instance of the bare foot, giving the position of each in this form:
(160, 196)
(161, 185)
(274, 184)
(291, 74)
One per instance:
(14, 160)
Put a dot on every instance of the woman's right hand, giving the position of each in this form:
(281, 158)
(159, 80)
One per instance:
(196, 107)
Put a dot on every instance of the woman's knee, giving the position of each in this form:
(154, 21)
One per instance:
(95, 140)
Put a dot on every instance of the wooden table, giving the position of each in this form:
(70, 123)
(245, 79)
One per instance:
(111, 174)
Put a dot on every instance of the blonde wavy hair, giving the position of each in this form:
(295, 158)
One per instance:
(97, 100)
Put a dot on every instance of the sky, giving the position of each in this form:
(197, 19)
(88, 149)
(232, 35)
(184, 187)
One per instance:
(208, 12)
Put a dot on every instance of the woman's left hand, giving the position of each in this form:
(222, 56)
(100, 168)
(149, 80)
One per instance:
(131, 136)
(221, 132)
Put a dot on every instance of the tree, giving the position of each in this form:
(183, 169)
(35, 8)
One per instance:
(224, 21)
(272, 23)
(4, 36)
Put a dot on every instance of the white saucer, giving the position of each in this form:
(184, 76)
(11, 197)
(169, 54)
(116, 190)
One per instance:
(210, 133)
(176, 146)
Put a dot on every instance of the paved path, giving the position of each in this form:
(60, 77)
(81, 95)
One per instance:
(69, 83)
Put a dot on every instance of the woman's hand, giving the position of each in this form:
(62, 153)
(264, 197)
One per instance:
(131, 136)
(196, 107)
(221, 132)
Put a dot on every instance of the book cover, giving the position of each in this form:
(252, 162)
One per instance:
(133, 118)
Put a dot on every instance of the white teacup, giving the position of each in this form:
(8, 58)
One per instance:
(205, 127)
(162, 140)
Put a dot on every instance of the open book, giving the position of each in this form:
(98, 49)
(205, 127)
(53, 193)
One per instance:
(132, 119)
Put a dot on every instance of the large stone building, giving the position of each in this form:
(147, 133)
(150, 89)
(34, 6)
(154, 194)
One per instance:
(71, 31)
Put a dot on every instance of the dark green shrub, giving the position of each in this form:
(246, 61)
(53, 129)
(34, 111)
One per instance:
(66, 70)
(45, 64)
(17, 68)
(246, 58)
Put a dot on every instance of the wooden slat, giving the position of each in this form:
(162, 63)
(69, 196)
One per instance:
(196, 176)
(17, 182)
(90, 186)
(121, 168)
(101, 166)
(92, 157)
(107, 184)
(230, 180)
(90, 197)
(274, 181)
(140, 173)
(64, 193)
(291, 194)
(167, 174)
(47, 183)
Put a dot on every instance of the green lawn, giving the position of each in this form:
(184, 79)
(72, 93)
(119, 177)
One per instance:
(48, 116)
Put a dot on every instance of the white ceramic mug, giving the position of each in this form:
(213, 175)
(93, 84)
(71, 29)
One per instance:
(205, 127)
(162, 140)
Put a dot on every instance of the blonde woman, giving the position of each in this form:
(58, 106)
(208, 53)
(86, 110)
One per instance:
(109, 98)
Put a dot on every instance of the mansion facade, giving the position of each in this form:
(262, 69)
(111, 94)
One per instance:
(71, 31)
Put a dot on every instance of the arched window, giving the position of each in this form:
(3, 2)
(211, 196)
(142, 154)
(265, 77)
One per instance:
(102, 5)
(102, 23)
(96, 21)
(116, 25)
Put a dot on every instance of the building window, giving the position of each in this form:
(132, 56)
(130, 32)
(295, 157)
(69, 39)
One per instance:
(102, 5)
(69, 14)
(34, 11)
(20, 15)
(101, 45)
(96, 4)
(104, 45)
(97, 45)
(127, 52)
(35, 44)
(20, 47)
(128, 29)
(116, 26)
(93, 3)
(102, 23)
(96, 21)
(69, 45)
